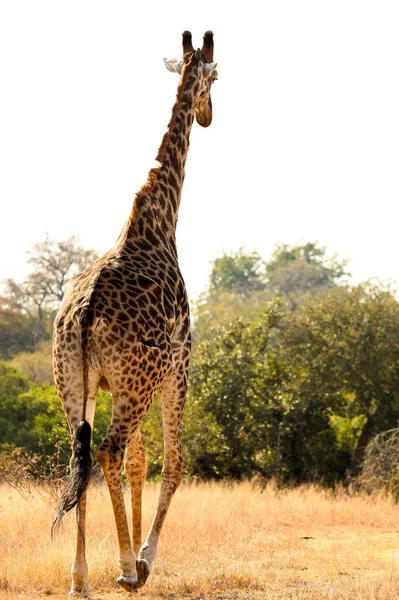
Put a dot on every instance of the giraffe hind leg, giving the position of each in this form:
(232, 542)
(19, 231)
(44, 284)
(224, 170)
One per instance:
(79, 571)
(69, 381)
(110, 457)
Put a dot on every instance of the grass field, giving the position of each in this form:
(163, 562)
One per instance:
(219, 543)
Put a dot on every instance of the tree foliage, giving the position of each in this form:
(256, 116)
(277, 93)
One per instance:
(336, 361)
(36, 366)
(233, 394)
(241, 283)
(31, 418)
(236, 288)
(16, 330)
(297, 272)
(343, 352)
(240, 272)
(292, 394)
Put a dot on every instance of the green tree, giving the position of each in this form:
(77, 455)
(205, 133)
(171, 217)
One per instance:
(14, 415)
(31, 418)
(233, 401)
(16, 330)
(238, 272)
(236, 288)
(36, 366)
(342, 357)
(241, 283)
(297, 272)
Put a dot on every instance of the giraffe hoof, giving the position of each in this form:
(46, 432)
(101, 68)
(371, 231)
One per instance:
(128, 583)
(143, 571)
(75, 593)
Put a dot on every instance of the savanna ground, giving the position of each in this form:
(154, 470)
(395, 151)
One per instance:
(219, 542)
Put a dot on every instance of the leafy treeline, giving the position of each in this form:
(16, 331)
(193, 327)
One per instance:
(293, 371)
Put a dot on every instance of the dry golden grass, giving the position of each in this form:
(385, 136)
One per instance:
(219, 542)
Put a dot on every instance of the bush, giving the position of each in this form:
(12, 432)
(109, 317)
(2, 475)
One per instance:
(380, 467)
(36, 366)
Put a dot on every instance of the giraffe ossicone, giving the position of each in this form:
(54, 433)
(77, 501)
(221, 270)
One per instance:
(124, 325)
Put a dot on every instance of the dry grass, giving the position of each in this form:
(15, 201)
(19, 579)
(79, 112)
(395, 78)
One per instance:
(219, 542)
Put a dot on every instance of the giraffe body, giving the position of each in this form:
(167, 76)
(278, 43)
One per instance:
(124, 326)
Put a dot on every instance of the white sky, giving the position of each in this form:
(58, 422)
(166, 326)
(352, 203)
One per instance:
(304, 143)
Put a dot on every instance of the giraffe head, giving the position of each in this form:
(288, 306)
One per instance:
(200, 64)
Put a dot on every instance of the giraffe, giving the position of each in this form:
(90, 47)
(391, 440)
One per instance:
(124, 327)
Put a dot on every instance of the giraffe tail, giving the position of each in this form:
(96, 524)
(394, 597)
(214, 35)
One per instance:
(81, 462)
(79, 474)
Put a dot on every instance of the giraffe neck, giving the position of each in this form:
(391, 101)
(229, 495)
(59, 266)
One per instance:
(155, 208)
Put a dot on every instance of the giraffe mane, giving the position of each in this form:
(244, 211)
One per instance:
(152, 178)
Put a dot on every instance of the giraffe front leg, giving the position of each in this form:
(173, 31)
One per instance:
(136, 470)
(172, 397)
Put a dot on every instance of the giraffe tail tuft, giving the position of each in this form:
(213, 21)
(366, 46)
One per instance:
(78, 477)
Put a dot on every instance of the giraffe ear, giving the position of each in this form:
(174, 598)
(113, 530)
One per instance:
(173, 65)
(209, 68)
